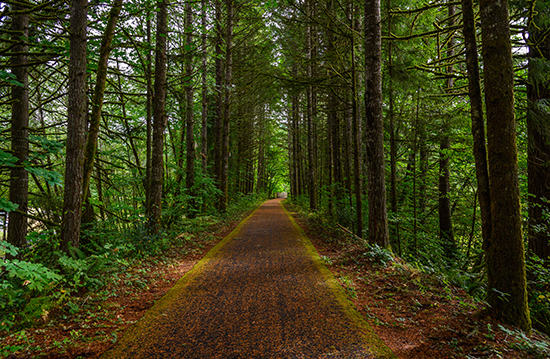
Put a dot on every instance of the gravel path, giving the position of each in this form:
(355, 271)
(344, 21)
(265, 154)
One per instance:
(261, 293)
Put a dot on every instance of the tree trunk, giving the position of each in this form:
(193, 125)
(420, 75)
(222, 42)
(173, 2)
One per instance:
(204, 95)
(19, 177)
(149, 116)
(476, 113)
(376, 185)
(224, 165)
(445, 217)
(538, 154)
(99, 91)
(189, 117)
(159, 119)
(357, 144)
(219, 94)
(76, 128)
(505, 259)
(312, 180)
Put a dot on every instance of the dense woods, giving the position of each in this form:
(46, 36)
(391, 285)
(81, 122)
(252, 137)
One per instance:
(422, 127)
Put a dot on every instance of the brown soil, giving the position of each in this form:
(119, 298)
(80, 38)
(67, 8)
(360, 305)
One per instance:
(416, 315)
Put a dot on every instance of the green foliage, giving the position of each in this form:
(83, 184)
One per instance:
(27, 289)
(538, 275)
(9, 78)
(539, 348)
(7, 206)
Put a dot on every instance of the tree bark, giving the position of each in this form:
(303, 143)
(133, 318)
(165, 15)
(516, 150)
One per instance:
(159, 119)
(312, 180)
(149, 124)
(224, 165)
(476, 114)
(204, 94)
(189, 117)
(538, 153)
(219, 94)
(76, 128)
(445, 217)
(99, 91)
(505, 258)
(19, 177)
(376, 185)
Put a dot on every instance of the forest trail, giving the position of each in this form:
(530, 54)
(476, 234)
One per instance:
(260, 293)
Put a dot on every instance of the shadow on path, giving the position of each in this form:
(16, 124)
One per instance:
(260, 293)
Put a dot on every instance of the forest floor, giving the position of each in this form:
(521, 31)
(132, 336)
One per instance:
(415, 314)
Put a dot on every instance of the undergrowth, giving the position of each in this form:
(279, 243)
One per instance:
(38, 281)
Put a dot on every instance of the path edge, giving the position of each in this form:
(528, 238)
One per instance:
(163, 303)
(379, 349)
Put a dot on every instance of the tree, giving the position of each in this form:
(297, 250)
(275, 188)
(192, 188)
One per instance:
(19, 177)
(505, 258)
(189, 114)
(538, 120)
(159, 119)
(99, 92)
(76, 127)
(376, 186)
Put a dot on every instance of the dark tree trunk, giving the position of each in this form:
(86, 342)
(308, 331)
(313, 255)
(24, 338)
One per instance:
(376, 185)
(224, 165)
(19, 177)
(76, 128)
(149, 124)
(204, 95)
(476, 113)
(445, 217)
(538, 121)
(219, 94)
(357, 145)
(189, 116)
(312, 171)
(505, 259)
(159, 119)
(99, 91)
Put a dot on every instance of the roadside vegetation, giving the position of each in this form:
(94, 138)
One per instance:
(55, 305)
(421, 309)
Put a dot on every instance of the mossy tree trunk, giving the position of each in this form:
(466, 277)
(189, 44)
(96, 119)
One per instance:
(505, 258)
(538, 128)
(376, 185)
(19, 177)
(159, 119)
(76, 127)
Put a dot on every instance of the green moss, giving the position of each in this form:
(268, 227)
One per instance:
(379, 349)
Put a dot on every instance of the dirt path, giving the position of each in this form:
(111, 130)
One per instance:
(260, 293)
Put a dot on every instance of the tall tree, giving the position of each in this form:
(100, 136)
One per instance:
(19, 177)
(476, 114)
(445, 217)
(159, 119)
(99, 92)
(376, 185)
(224, 158)
(76, 127)
(538, 130)
(312, 170)
(505, 258)
(189, 114)
(204, 94)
